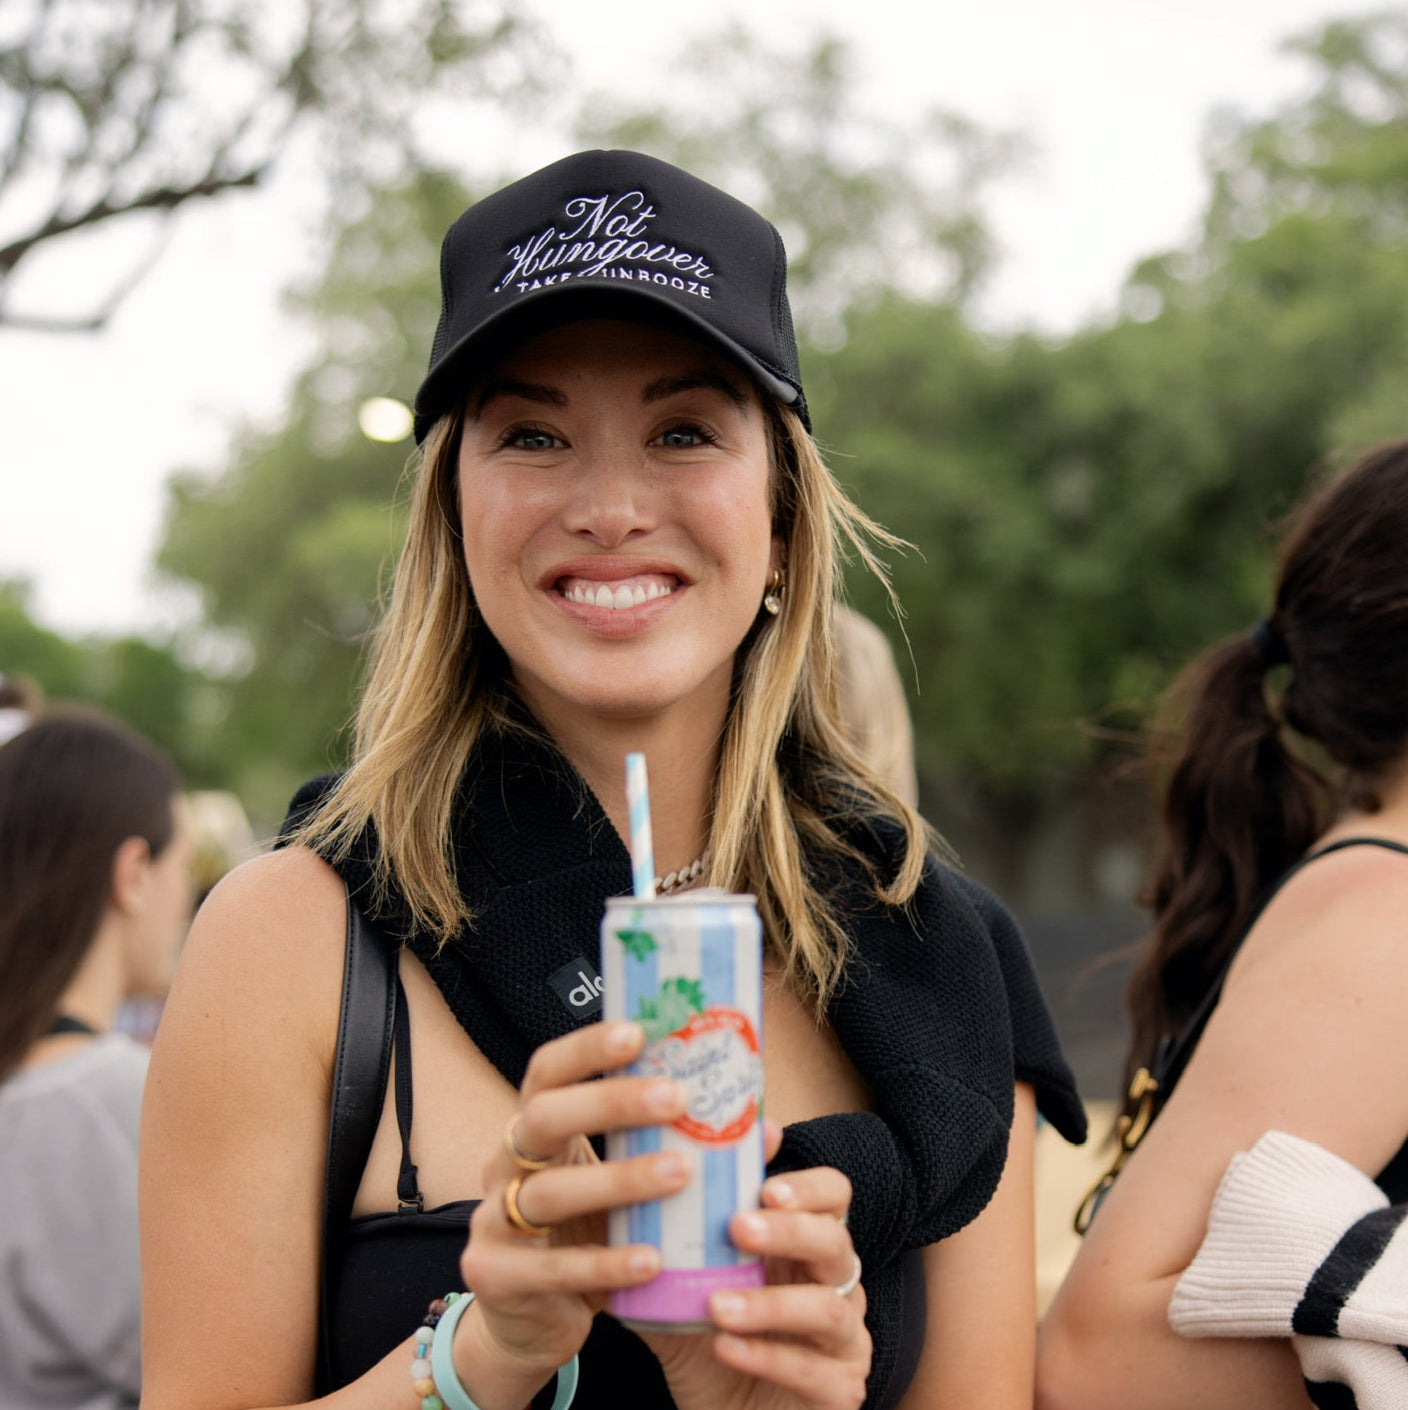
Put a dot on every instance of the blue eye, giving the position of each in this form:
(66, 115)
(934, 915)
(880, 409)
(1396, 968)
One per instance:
(529, 438)
(684, 437)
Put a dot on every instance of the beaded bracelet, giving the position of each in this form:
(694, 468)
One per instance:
(433, 1376)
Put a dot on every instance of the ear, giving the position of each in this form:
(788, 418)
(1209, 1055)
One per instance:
(131, 875)
(778, 557)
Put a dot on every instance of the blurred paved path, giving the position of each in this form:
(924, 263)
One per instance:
(1063, 1174)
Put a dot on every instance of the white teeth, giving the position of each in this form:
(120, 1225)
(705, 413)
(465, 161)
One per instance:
(616, 598)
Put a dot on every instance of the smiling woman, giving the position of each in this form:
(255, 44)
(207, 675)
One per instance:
(614, 491)
(622, 540)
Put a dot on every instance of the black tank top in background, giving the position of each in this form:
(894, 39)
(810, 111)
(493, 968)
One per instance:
(1393, 1178)
(394, 1264)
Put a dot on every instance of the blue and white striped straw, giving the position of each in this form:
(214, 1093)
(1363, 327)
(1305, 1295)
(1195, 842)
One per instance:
(642, 847)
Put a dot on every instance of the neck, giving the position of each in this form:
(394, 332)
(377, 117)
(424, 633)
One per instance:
(681, 759)
(1390, 818)
(98, 987)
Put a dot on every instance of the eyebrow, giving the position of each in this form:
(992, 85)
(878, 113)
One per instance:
(669, 386)
(658, 390)
(527, 391)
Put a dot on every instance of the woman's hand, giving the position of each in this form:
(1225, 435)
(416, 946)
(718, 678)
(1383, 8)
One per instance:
(536, 1292)
(801, 1342)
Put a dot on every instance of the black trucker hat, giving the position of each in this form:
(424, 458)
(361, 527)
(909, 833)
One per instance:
(611, 234)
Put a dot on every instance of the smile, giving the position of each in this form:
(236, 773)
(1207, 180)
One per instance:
(617, 596)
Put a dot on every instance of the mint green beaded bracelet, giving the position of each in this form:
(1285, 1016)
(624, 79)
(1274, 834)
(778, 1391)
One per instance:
(448, 1390)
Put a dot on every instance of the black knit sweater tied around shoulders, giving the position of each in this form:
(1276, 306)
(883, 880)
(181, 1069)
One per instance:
(940, 1011)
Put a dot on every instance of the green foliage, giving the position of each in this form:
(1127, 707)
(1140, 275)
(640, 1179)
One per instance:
(142, 682)
(289, 546)
(865, 206)
(1087, 514)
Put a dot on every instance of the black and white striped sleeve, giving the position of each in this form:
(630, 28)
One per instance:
(1300, 1244)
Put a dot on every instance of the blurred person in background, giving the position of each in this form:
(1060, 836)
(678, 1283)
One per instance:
(20, 701)
(95, 898)
(1273, 993)
(873, 704)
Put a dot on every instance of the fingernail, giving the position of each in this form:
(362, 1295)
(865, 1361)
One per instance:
(662, 1097)
(644, 1260)
(729, 1306)
(622, 1037)
(673, 1165)
(782, 1192)
(754, 1225)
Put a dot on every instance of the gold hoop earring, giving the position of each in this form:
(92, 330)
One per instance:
(777, 586)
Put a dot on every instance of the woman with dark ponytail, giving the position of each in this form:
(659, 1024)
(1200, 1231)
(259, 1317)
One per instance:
(1275, 986)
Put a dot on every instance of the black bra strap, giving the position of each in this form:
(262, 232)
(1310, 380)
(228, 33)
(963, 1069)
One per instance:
(66, 1023)
(408, 1196)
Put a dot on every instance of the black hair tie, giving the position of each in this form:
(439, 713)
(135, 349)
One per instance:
(1269, 644)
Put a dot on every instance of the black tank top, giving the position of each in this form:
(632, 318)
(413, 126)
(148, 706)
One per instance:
(394, 1264)
(1393, 1178)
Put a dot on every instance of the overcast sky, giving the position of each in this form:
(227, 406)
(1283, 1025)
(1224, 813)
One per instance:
(1113, 95)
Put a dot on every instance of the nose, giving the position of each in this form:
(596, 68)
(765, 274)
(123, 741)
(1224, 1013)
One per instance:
(612, 498)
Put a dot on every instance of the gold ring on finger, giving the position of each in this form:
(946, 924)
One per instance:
(517, 1154)
(849, 1286)
(515, 1216)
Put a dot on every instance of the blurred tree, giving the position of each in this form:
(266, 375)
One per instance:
(144, 683)
(1087, 513)
(867, 207)
(1092, 513)
(115, 108)
(287, 545)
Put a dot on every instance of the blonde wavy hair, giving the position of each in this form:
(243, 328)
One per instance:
(789, 779)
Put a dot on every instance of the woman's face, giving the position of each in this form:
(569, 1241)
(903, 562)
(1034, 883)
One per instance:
(614, 495)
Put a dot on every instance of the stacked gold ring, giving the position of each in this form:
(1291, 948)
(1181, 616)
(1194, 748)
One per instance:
(515, 1216)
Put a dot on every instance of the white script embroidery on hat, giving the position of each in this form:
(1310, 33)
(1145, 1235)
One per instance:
(605, 230)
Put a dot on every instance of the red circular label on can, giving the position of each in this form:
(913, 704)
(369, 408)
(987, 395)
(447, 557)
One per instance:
(715, 1058)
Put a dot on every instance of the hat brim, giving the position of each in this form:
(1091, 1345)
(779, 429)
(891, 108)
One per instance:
(550, 308)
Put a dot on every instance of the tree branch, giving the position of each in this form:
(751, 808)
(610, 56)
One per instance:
(97, 321)
(160, 198)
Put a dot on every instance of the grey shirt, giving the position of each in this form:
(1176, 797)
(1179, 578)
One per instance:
(69, 1281)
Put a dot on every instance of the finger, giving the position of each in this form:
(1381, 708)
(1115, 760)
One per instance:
(597, 1047)
(808, 1311)
(817, 1380)
(772, 1138)
(818, 1242)
(820, 1190)
(564, 1192)
(550, 1120)
(503, 1274)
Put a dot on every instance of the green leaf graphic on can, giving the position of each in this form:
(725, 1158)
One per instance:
(638, 943)
(677, 1001)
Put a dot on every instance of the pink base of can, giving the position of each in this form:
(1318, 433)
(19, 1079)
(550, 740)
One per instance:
(677, 1300)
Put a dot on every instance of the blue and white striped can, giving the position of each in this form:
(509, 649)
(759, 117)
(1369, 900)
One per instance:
(689, 969)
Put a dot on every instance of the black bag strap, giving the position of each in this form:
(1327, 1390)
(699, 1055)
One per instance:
(364, 1031)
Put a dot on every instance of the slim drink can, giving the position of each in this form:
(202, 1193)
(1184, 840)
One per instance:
(689, 969)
